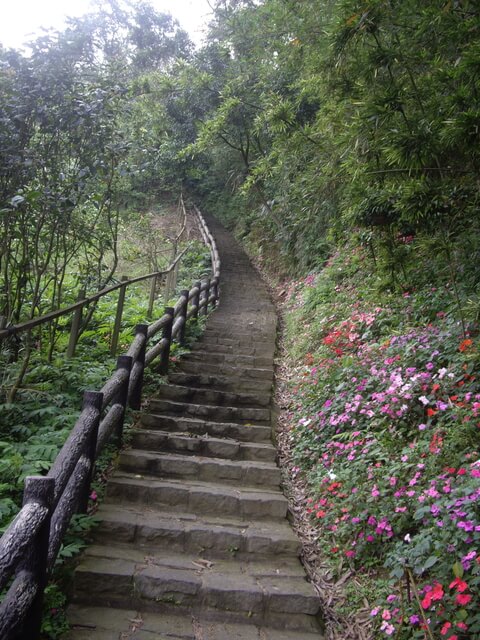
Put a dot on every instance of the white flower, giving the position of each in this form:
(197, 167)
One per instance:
(407, 538)
(424, 400)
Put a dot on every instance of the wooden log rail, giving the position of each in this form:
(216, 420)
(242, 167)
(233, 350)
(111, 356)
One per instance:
(30, 545)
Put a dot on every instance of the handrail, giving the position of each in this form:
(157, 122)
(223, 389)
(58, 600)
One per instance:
(30, 545)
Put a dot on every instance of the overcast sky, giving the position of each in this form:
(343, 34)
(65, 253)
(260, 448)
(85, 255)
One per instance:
(21, 18)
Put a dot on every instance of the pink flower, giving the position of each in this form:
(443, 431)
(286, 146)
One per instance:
(462, 599)
(388, 628)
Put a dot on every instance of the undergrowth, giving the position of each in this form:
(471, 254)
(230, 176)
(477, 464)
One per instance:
(385, 432)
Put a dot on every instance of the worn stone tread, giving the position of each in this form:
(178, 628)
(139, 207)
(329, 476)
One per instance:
(206, 343)
(204, 445)
(212, 536)
(241, 373)
(122, 574)
(181, 393)
(220, 382)
(212, 412)
(196, 426)
(196, 496)
(176, 465)
(212, 356)
(102, 623)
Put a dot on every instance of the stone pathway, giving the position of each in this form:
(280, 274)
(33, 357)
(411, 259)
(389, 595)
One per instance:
(194, 543)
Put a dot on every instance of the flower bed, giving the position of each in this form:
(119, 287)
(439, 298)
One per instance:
(387, 433)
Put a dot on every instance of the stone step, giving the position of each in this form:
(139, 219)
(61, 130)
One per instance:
(211, 537)
(239, 373)
(264, 342)
(102, 623)
(205, 446)
(219, 470)
(245, 337)
(194, 395)
(260, 592)
(222, 383)
(240, 415)
(244, 350)
(195, 426)
(196, 497)
(210, 356)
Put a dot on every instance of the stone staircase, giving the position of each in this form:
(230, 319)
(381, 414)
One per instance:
(193, 542)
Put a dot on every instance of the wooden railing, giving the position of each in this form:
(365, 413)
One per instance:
(30, 545)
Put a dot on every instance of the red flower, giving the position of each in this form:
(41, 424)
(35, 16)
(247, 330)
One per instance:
(462, 599)
(434, 594)
(431, 412)
(465, 344)
(459, 585)
(321, 514)
(445, 628)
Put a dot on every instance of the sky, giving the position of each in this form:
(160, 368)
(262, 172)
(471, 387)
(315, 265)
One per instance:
(22, 18)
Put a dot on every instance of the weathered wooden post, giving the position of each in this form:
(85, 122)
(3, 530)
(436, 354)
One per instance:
(138, 369)
(196, 299)
(183, 314)
(75, 328)
(123, 362)
(92, 401)
(118, 317)
(167, 336)
(206, 296)
(151, 300)
(170, 282)
(40, 490)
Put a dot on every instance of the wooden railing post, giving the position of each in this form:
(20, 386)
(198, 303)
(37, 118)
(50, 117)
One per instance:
(167, 336)
(75, 328)
(118, 317)
(138, 369)
(183, 314)
(39, 489)
(123, 362)
(151, 300)
(206, 296)
(196, 299)
(92, 400)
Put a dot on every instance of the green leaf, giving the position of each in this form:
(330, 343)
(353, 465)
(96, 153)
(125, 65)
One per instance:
(430, 562)
(458, 570)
